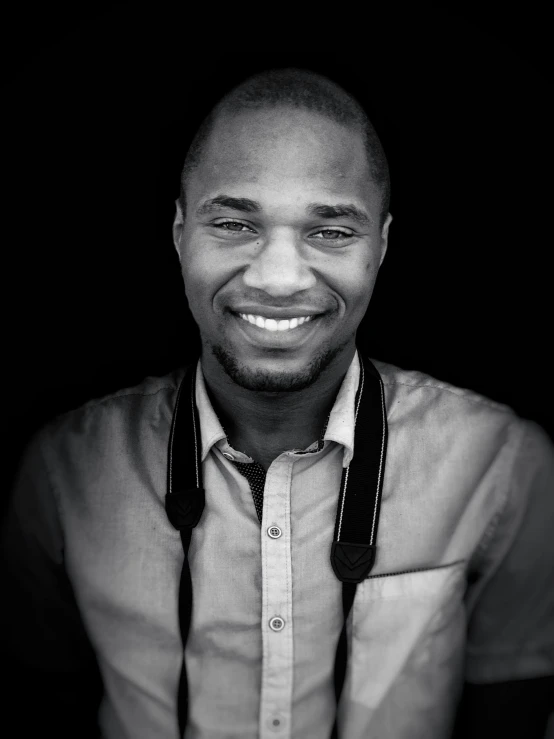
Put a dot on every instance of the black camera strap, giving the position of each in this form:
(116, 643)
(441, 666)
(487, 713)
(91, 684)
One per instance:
(354, 543)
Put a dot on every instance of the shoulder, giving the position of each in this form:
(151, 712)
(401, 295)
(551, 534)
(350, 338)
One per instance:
(130, 411)
(438, 415)
(151, 390)
(414, 392)
(403, 383)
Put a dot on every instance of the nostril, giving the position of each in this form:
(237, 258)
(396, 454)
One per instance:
(279, 276)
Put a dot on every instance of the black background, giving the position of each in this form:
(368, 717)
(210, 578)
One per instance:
(103, 105)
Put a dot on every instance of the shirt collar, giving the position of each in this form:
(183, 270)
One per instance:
(211, 430)
(341, 424)
(340, 427)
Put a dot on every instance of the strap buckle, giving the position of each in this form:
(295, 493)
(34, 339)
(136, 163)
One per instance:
(352, 562)
(184, 507)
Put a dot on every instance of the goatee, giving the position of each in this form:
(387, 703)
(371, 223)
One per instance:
(274, 382)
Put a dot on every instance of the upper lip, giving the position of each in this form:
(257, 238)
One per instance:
(276, 313)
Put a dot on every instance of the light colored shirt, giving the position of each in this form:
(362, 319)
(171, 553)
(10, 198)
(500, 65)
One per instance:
(461, 587)
(247, 679)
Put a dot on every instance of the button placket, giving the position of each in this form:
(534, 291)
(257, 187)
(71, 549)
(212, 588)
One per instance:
(277, 634)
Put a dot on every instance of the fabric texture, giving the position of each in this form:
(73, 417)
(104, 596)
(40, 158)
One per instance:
(255, 474)
(459, 589)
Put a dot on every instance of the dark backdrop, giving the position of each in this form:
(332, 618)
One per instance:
(104, 105)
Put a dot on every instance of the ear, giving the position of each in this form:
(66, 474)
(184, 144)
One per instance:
(385, 237)
(178, 224)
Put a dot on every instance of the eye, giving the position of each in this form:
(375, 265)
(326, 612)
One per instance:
(233, 226)
(332, 234)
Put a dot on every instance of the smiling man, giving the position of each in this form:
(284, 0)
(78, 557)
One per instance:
(285, 539)
(280, 230)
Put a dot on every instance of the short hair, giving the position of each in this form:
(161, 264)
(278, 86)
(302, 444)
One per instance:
(305, 90)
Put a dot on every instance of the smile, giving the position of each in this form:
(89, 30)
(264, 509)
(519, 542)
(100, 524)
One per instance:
(270, 324)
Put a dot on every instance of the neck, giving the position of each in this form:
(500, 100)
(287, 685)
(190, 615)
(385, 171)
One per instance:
(265, 424)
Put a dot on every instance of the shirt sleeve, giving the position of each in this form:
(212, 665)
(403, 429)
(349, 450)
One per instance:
(54, 678)
(511, 625)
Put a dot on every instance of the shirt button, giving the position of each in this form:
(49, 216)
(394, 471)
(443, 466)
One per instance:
(228, 456)
(274, 532)
(276, 623)
(276, 723)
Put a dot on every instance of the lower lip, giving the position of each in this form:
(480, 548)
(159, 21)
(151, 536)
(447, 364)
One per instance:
(290, 337)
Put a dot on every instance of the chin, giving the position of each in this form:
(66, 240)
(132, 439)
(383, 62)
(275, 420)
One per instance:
(274, 381)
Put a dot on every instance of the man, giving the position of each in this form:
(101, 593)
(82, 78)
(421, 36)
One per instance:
(117, 556)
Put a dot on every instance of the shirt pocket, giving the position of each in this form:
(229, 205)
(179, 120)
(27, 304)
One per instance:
(408, 628)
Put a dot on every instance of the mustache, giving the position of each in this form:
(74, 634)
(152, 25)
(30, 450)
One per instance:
(313, 304)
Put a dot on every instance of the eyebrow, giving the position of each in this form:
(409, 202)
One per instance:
(321, 210)
(245, 205)
(342, 210)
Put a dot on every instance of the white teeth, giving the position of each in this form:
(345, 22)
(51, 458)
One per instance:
(270, 324)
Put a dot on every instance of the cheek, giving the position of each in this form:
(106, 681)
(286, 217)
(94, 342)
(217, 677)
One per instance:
(357, 292)
(199, 270)
(358, 281)
(205, 272)
(197, 284)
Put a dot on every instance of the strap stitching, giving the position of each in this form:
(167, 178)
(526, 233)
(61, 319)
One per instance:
(192, 394)
(378, 495)
(343, 499)
(172, 435)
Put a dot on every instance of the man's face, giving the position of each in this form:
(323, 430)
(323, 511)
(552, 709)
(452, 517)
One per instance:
(280, 245)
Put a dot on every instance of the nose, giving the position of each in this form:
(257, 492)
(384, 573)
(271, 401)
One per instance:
(279, 268)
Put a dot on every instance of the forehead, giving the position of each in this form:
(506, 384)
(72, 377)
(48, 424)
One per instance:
(283, 152)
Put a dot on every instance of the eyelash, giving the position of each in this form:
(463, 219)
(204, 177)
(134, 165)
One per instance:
(344, 233)
(221, 225)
